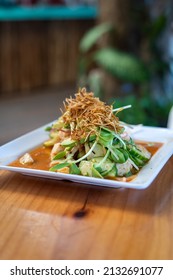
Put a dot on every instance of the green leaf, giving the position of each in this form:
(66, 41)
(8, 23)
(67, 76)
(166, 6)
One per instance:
(59, 166)
(105, 137)
(122, 65)
(95, 173)
(92, 36)
(60, 155)
(74, 169)
(48, 128)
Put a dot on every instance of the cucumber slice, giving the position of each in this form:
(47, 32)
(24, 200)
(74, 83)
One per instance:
(113, 173)
(117, 155)
(59, 123)
(86, 168)
(98, 150)
(50, 142)
(139, 152)
(104, 167)
(140, 163)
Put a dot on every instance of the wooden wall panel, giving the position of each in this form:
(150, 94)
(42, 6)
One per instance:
(15, 62)
(36, 54)
(56, 50)
(6, 80)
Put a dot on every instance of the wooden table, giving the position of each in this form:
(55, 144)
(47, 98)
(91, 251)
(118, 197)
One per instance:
(47, 219)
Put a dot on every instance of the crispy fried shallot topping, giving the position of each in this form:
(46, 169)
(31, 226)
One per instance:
(85, 113)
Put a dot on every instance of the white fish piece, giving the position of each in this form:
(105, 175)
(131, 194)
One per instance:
(26, 158)
(124, 168)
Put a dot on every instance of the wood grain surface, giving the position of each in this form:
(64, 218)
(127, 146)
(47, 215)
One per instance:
(47, 219)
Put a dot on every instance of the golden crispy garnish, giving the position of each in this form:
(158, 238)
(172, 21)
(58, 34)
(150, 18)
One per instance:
(85, 113)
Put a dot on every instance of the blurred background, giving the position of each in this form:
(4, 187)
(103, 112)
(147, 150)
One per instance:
(122, 50)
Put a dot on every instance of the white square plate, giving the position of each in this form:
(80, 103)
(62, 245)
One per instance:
(14, 149)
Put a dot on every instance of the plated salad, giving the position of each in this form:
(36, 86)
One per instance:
(90, 140)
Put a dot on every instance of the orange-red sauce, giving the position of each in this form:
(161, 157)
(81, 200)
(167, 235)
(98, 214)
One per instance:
(41, 155)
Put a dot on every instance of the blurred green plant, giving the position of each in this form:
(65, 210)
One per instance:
(122, 65)
(127, 68)
(144, 110)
